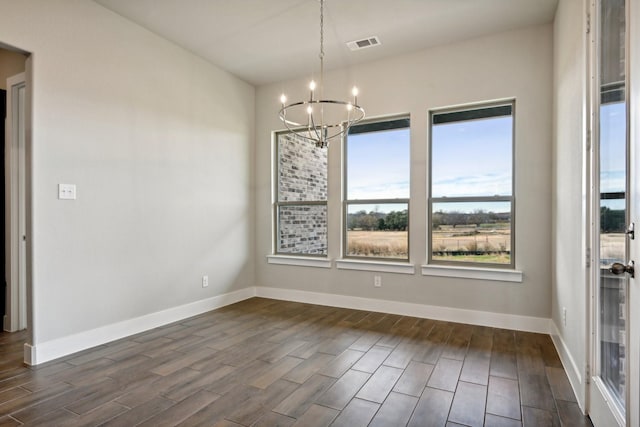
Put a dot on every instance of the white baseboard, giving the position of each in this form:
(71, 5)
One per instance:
(60, 347)
(571, 368)
(482, 318)
(29, 354)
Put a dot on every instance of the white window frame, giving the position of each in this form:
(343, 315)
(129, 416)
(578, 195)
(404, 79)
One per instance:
(498, 198)
(278, 256)
(348, 202)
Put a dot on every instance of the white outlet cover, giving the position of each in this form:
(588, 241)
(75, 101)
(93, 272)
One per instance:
(66, 191)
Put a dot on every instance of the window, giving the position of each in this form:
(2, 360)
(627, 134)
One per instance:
(300, 208)
(471, 203)
(376, 208)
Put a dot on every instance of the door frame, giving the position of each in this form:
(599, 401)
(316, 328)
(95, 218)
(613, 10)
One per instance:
(633, 388)
(603, 412)
(15, 205)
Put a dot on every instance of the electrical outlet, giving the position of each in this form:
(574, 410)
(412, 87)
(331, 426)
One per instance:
(377, 281)
(564, 316)
(205, 281)
(66, 191)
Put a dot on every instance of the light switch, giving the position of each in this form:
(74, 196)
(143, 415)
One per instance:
(66, 191)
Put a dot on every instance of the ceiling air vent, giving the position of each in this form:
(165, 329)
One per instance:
(364, 43)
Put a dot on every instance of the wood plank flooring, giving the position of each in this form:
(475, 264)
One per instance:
(272, 363)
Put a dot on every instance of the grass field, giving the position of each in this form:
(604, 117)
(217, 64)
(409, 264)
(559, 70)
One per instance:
(392, 244)
(491, 245)
(612, 246)
(471, 239)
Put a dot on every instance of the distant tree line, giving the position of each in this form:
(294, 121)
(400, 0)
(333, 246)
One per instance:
(477, 217)
(612, 221)
(399, 220)
(378, 221)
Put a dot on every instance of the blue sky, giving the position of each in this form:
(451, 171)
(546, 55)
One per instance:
(465, 162)
(385, 208)
(612, 151)
(472, 158)
(378, 165)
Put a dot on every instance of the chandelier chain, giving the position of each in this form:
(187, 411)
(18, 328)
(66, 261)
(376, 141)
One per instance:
(321, 41)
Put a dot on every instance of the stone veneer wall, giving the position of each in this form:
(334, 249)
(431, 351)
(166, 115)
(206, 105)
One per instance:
(302, 177)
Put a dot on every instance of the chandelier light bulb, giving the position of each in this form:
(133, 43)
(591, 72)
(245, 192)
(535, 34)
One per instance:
(349, 107)
(312, 85)
(354, 91)
(283, 99)
(309, 110)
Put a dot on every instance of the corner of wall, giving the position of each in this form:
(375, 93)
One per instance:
(29, 354)
(574, 373)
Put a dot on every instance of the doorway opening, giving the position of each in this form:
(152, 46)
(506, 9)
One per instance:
(15, 204)
(14, 114)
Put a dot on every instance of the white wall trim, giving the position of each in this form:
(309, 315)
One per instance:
(50, 350)
(495, 274)
(64, 346)
(299, 261)
(571, 368)
(29, 354)
(381, 266)
(483, 318)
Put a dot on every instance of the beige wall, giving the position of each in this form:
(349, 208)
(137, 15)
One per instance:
(569, 189)
(159, 143)
(512, 64)
(11, 63)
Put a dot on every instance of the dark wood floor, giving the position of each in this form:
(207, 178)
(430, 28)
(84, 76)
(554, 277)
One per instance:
(272, 363)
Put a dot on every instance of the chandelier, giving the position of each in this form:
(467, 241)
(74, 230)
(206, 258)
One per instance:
(320, 120)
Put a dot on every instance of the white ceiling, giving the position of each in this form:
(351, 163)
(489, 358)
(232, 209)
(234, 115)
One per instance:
(264, 41)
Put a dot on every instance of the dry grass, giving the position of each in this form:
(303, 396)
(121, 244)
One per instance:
(392, 244)
(494, 244)
(471, 239)
(612, 246)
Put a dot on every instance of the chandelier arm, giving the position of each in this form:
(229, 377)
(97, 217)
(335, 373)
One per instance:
(313, 127)
(357, 113)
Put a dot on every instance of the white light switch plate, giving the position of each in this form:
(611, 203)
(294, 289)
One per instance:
(66, 191)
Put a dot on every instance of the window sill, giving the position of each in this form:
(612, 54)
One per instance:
(495, 274)
(300, 261)
(381, 266)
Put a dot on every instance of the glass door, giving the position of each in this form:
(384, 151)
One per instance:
(608, 394)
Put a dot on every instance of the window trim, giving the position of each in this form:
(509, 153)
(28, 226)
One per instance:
(386, 266)
(476, 273)
(300, 261)
(378, 124)
(431, 200)
(277, 204)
